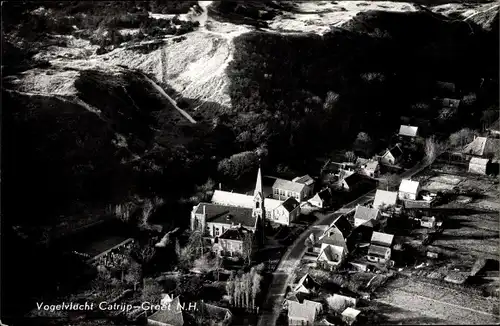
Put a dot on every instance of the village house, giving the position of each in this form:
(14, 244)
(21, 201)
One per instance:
(384, 198)
(275, 210)
(479, 165)
(168, 317)
(354, 181)
(350, 316)
(408, 189)
(338, 169)
(368, 167)
(450, 103)
(308, 181)
(301, 314)
(428, 222)
(342, 301)
(366, 216)
(408, 132)
(392, 156)
(283, 189)
(322, 199)
(333, 248)
(295, 297)
(380, 247)
(231, 242)
(483, 147)
(494, 128)
(306, 285)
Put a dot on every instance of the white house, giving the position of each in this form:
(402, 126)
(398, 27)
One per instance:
(408, 131)
(285, 213)
(308, 181)
(408, 189)
(350, 315)
(322, 198)
(303, 314)
(283, 189)
(366, 216)
(392, 156)
(370, 168)
(333, 248)
(380, 247)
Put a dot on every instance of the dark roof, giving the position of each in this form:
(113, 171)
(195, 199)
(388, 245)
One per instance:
(492, 148)
(354, 179)
(308, 282)
(333, 237)
(290, 204)
(234, 234)
(171, 316)
(450, 103)
(212, 312)
(495, 125)
(227, 214)
(396, 151)
(305, 179)
(325, 194)
(343, 225)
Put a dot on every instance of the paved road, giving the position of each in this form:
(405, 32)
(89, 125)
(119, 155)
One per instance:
(290, 260)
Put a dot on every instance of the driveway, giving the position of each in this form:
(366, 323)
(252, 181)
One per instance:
(290, 261)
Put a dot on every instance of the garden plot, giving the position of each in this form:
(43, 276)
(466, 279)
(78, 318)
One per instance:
(438, 303)
(442, 182)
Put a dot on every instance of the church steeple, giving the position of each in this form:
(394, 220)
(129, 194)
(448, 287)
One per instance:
(258, 186)
(259, 211)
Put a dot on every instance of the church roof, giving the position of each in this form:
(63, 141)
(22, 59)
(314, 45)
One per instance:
(290, 204)
(288, 185)
(227, 198)
(227, 214)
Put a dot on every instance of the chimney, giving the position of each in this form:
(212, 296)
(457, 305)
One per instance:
(204, 212)
(220, 186)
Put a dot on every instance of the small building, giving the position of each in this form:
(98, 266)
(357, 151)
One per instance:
(333, 248)
(308, 181)
(478, 165)
(322, 199)
(408, 132)
(408, 189)
(428, 222)
(379, 254)
(366, 215)
(350, 315)
(483, 147)
(230, 243)
(380, 247)
(385, 198)
(170, 316)
(392, 156)
(353, 182)
(301, 314)
(456, 277)
(370, 168)
(306, 285)
(216, 316)
(450, 103)
(287, 212)
(283, 189)
(338, 300)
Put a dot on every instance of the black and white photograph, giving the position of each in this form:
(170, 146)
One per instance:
(250, 163)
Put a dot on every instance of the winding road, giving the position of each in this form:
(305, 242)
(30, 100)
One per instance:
(281, 277)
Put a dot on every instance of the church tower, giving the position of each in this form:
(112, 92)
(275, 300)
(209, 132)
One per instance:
(259, 211)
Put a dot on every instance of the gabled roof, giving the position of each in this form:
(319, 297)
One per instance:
(382, 239)
(212, 312)
(476, 147)
(409, 131)
(395, 151)
(350, 313)
(227, 198)
(492, 148)
(383, 197)
(307, 281)
(366, 213)
(409, 186)
(305, 179)
(343, 225)
(234, 234)
(331, 254)
(227, 214)
(372, 165)
(171, 316)
(333, 237)
(479, 161)
(495, 126)
(378, 251)
(288, 185)
(302, 311)
(325, 194)
(354, 179)
(290, 204)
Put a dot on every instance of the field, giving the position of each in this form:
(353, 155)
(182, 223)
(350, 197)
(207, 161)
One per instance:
(429, 303)
(471, 231)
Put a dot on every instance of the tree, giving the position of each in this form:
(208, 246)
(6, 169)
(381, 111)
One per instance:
(230, 288)
(331, 100)
(218, 265)
(247, 247)
(238, 165)
(461, 137)
(350, 156)
(430, 149)
(144, 253)
(134, 274)
(363, 143)
(151, 291)
(390, 182)
(177, 249)
(256, 279)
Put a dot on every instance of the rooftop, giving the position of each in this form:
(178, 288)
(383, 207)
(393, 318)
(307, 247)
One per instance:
(304, 311)
(288, 185)
(227, 214)
(290, 204)
(227, 198)
(331, 253)
(409, 186)
(366, 213)
(171, 316)
(333, 237)
(479, 161)
(384, 197)
(409, 131)
(378, 251)
(382, 239)
(235, 234)
(305, 179)
(350, 313)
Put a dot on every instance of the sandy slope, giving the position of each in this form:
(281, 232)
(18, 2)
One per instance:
(195, 67)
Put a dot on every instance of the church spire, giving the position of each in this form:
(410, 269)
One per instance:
(258, 185)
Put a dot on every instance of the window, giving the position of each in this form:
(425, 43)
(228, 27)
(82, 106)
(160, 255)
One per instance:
(257, 205)
(282, 193)
(216, 232)
(276, 191)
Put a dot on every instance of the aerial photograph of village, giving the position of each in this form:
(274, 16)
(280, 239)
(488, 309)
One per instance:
(250, 163)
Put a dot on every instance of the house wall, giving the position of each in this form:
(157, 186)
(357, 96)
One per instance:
(292, 321)
(281, 215)
(231, 247)
(388, 159)
(282, 194)
(211, 228)
(316, 201)
(407, 195)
